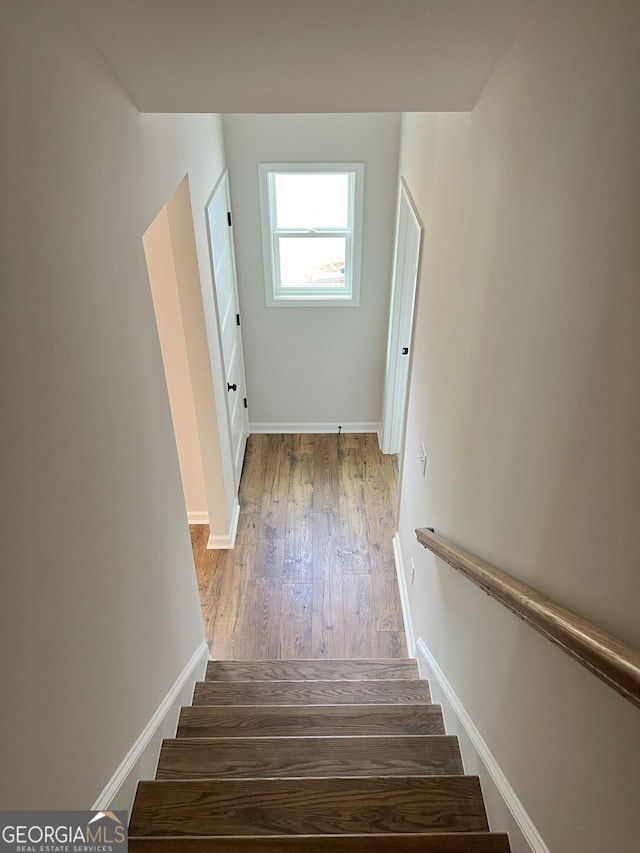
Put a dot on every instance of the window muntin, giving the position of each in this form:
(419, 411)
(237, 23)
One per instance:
(312, 227)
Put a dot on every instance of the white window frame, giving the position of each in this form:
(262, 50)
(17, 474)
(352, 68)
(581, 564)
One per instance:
(320, 295)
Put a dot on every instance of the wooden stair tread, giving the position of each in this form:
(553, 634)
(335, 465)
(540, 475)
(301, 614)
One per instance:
(437, 842)
(318, 670)
(280, 720)
(276, 757)
(309, 806)
(310, 692)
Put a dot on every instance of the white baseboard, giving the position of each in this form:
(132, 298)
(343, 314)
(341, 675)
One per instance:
(404, 597)
(505, 811)
(226, 541)
(198, 517)
(140, 761)
(279, 429)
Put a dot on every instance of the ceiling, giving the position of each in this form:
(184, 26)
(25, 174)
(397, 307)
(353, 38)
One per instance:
(261, 56)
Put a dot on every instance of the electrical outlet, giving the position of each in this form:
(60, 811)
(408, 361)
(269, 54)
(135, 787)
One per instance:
(413, 571)
(423, 458)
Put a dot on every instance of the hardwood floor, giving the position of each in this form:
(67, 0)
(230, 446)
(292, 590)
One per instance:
(312, 574)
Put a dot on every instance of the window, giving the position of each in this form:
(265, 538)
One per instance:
(311, 232)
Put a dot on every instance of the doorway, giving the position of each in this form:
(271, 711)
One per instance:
(174, 276)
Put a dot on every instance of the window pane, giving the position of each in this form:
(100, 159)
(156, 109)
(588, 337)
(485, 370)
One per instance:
(312, 262)
(312, 201)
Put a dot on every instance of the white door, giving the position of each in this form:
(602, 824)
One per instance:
(409, 231)
(226, 291)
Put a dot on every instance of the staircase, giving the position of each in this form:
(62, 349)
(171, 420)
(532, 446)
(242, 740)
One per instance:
(322, 756)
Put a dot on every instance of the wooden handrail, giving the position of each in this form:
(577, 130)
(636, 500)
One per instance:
(615, 662)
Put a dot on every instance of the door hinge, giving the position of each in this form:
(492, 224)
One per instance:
(229, 217)
(237, 319)
(245, 402)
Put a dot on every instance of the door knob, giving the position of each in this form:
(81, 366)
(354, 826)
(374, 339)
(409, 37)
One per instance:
(233, 387)
(405, 350)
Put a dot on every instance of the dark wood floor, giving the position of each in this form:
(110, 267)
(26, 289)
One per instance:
(312, 574)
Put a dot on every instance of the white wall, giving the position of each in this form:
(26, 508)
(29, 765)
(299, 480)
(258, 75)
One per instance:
(314, 365)
(99, 604)
(525, 390)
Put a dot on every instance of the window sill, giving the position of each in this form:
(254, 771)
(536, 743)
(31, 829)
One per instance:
(315, 301)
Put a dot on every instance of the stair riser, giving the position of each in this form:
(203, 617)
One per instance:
(310, 693)
(272, 758)
(312, 670)
(309, 806)
(328, 720)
